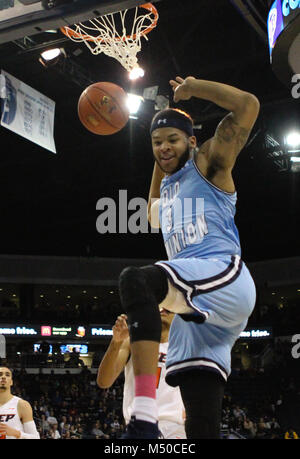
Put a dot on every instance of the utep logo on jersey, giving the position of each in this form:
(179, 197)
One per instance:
(9, 102)
(162, 357)
(6, 417)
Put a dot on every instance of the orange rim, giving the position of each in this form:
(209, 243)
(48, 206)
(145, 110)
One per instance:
(147, 6)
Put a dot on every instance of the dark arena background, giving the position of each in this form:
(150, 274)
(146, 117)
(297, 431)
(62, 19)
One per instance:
(58, 273)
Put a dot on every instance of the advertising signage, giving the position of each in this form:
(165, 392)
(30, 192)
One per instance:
(284, 41)
(255, 333)
(18, 330)
(66, 331)
(281, 14)
(46, 331)
(91, 331)
(290, 9)
(97, 331)
(275, 24)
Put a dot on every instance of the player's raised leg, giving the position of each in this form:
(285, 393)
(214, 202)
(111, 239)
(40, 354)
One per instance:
(140, 299)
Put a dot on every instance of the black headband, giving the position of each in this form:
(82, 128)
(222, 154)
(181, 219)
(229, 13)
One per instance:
(173, 118)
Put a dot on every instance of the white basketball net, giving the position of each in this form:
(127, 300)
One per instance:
(107, 34)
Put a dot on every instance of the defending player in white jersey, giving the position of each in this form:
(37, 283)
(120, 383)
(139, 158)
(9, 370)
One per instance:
(117, 358)
(16, 420)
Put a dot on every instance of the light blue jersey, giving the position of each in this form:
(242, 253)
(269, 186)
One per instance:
(203, 247)
(197, 219)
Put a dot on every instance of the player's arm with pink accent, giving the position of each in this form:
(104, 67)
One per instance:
(116, 355)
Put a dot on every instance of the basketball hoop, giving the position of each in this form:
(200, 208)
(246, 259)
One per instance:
(107, 34)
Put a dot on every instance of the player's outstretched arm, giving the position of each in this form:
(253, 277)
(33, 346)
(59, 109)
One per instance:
(233, 131)
(116, 356)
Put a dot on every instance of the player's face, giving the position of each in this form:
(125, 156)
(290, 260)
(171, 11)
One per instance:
(166, 317)
(171, 148)
(5, 378)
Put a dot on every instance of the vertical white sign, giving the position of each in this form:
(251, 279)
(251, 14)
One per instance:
(2, 347)
(27, 112)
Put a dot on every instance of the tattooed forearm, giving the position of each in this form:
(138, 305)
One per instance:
(229, 131)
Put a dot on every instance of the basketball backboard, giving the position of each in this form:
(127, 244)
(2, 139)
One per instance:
(20, 18)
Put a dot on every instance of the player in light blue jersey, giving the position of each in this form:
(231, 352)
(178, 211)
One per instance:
(204, 281)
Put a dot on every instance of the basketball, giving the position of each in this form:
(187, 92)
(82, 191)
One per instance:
(102, 108)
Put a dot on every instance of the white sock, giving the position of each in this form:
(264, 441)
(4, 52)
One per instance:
(145, 409)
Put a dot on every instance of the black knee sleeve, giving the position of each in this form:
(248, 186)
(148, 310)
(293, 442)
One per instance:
(157, 281)
(202, 394)
(140, 304)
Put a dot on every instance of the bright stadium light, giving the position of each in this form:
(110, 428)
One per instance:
(136, 73)
(293, 139)
(51, 56)
(295, 159)
(134, 104)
